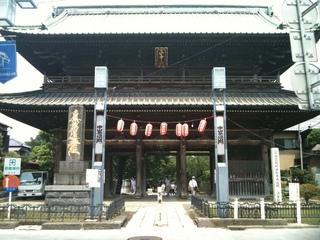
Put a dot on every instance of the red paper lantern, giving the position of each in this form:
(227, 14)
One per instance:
(148, 130)
(133, 129)
(163, 128)
(202, 125)
(185, 130)
(179, 130)
(120, 125)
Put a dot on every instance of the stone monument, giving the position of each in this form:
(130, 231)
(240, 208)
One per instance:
(69, 182)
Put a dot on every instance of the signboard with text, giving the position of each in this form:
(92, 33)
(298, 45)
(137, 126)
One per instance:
(92, 178)
(12, 166)
(294, 192)
(99, 135)
(8, 61)
(220, 135)
(276, 178)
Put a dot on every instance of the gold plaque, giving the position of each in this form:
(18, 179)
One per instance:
(161, 57)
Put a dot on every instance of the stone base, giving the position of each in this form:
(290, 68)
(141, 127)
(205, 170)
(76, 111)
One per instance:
(67, 195)
(69, 178)
(73, 166)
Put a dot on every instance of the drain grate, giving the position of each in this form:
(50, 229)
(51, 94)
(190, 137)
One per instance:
(145, 238)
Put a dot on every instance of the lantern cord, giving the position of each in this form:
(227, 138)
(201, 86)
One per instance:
(158, 122)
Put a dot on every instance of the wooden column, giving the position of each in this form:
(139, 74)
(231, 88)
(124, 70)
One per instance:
(212, 172)
(108, 186)
(143, 176)
(58, 144)
(183, 167)
(139, 168)
(266, 165)
(178, 175)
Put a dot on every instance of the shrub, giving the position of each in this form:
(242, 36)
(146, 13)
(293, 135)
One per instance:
(307, 191)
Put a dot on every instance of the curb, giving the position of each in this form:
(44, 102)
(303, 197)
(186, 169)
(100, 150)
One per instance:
(115, 223)
(61, 226)
(239, 228)
(9, 225)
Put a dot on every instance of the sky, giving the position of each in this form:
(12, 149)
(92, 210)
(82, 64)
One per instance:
(28, 78)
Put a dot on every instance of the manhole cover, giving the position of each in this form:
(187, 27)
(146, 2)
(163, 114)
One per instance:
(145, 238)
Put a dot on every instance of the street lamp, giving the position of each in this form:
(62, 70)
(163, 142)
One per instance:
(220, 136)
(98, 146)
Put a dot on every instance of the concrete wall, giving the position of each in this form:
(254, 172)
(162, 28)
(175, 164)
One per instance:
(287, 158)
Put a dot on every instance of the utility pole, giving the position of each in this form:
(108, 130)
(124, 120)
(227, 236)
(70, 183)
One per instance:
(302, 17)
(300, 147)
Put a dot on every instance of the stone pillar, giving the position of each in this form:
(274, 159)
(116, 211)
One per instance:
(69, 182)
(266, 166)
(183, 167)
(139, 168)
(72, 171)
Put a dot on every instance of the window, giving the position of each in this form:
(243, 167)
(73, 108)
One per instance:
(286, 143)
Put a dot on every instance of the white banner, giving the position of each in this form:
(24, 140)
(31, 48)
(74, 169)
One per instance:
(276, 178)
(294, 192)
(12, 166)
(220, 135)
(99, 135)
(92, 178)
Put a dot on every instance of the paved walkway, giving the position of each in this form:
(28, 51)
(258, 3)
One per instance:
(153, 214)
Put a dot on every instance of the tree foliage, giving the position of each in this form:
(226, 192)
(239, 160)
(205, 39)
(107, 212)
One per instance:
(313, 137)
(307, 191)
(42, 150)
(302, 176)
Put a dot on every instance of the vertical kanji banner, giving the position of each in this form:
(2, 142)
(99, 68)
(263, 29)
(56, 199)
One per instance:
(8, 61)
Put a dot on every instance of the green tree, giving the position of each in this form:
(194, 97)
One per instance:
(42, 150)
(302, 176)
(313, 137)
(307, 191)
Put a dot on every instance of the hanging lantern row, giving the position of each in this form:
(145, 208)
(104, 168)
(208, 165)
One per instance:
(182, 130)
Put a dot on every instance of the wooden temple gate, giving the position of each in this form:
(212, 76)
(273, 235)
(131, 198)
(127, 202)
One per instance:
(158, 75)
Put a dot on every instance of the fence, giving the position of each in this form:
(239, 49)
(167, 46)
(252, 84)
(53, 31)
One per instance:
(253, 210)
(58, 213)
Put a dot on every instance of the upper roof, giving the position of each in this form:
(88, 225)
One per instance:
(158, 19)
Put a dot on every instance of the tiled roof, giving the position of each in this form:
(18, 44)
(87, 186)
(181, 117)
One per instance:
(159, 20)
(147, 99)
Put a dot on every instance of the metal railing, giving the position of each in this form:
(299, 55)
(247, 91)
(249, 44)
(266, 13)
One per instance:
(60, 213)
(284, 210)
(159, 80)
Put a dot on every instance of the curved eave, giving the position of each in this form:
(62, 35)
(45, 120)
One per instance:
(39, 100)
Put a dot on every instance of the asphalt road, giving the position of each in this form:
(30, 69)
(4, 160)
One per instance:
(165, 234)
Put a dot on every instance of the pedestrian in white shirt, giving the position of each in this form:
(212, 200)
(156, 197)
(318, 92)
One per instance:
(193, 185)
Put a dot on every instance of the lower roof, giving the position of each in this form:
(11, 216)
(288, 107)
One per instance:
(147, 99)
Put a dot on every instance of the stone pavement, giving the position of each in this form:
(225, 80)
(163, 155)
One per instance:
(170, 214)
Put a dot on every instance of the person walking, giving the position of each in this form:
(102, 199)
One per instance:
(193, 185)
(133, 185)
(167, 184)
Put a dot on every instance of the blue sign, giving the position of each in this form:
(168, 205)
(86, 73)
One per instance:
(8, 61)
(10, 189)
